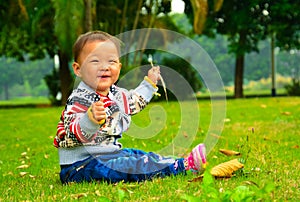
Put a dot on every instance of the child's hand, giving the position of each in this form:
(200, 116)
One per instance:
(154, 74)
(98, 111)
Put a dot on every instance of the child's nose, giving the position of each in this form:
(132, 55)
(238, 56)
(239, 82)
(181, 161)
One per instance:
(104, 66)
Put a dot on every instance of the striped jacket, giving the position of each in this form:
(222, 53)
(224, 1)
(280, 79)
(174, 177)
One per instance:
(76, 129)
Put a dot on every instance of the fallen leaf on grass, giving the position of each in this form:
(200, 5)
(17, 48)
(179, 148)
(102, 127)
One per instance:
(286, 113)
(295, 147)
(226, 169)
(227, 120)
(197, 179)
(9, 173)
(263, 106)
(23, 166)
(229, 152)
(249, 182)
(79, 195)
(97, 192)
(216, 136)
(127, 190)
(269, 139)
(256, 169)
(22, 174)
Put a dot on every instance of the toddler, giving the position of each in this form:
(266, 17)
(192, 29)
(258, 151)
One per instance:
(98, 112)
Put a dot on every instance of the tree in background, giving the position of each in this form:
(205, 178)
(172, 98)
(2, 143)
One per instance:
(8, 71)
(68, 24)
(245, 23)
(26, 33)
(42, 27)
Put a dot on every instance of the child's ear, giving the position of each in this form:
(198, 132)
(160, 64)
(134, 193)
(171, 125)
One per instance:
(76, 69)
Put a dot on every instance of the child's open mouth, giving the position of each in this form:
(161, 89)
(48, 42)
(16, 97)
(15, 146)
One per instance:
(103, 76)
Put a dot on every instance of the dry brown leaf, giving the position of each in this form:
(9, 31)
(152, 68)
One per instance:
(216, 136)
(97, 192)
(32, 176)
(79, 195)
(9, 173)
(249, 182)
(229, 152)
(22, 174)
(263, 106)
(23, 166)
(286, 113)
(227, 120)
(197, 179)
(185, 134)
(127, 190)
(226, 169)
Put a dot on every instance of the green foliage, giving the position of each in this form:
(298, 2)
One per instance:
(9, 70)
(184, 69)
(210, 192)
(68, 24)
(16, 74)
(27, 28)
(293, 89)
(248, 22)
(284, 18)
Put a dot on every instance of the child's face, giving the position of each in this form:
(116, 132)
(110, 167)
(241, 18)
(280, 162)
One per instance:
(98, 65)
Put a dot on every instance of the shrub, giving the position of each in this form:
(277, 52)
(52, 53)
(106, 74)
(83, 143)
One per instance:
(293, 88)
(53, 83)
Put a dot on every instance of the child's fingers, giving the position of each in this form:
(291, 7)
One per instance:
(154, 74)
(155, 70)
(100, 102)
(99, 110)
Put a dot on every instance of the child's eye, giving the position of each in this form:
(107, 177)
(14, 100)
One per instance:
(113, 61)
(94, 61)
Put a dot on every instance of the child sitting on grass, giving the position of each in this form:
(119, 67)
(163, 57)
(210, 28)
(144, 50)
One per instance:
(98, 112)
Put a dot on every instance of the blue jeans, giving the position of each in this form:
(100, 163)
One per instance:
(128, 165)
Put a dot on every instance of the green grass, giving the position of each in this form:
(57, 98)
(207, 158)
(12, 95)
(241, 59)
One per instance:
(267, 128)
(25, 101)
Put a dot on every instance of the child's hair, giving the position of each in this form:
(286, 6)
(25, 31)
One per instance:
(93, 36)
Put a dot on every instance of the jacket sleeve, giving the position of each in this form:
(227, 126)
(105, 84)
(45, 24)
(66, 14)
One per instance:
(141, 96)
(77, 123)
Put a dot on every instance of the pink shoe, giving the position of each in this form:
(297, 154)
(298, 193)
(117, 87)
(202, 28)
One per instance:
(196, 161)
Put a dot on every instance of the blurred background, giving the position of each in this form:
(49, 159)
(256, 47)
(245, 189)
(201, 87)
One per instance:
(255, 44)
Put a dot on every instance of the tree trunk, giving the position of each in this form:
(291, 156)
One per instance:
(239, 76)
(88, 23)
(65, 77)
(124, 12)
